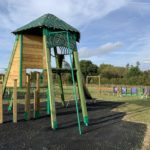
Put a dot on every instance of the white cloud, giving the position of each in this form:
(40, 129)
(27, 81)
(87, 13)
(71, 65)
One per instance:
(76, 12)
(139, 7)
(140, 48)
(124, 53)
(15, 13)
(101, 50)
(146, 61)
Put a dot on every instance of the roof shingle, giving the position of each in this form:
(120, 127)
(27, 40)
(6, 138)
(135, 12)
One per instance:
(48, 21)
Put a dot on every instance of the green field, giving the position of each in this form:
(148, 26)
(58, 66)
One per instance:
(136, 107)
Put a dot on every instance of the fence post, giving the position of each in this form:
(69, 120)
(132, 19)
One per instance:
(36, 97)
(15, 102)
(27, 99)
(99, 81)
(1, 104)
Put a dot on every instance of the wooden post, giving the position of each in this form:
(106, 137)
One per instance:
(37, 81)
(59, 65)
(27, 99)
(45, 78)
(15, 102)
(80, 86)
(36, 97)
(99, 84)
(50, 81)
(38, 93)
(1, 103)
(20, 69)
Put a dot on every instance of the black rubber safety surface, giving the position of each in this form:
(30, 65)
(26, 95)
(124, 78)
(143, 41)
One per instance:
(106, 130)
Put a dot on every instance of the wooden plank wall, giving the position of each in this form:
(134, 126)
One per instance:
(33, 57)
(14, 70)
(32, 53)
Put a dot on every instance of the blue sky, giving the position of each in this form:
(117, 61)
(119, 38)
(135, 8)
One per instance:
(115, 32)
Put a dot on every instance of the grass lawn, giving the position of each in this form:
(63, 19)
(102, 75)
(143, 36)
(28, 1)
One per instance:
(136, 108)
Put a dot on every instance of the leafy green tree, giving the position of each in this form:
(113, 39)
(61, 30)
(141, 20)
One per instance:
(131, 75)
(133, 71)
(110, 71)
(88, 68)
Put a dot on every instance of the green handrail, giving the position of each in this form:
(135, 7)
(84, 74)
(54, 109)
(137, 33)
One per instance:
(74, 86)
(20, 69)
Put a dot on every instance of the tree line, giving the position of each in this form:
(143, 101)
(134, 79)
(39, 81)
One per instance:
(109, 74)
(128, 75)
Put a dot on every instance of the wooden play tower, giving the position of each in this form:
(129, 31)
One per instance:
(32, 50)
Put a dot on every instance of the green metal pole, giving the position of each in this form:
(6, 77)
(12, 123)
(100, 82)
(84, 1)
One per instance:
(80, 86)
(50, 82)
(58, 65)
(74, 87)
(48, 103)
(10, 63)
(20, 72)
(10, 104)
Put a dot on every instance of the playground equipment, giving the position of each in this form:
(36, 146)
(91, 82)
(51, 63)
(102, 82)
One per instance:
(146, 92)
(33, 50)
(133, 91)
(94, 77)
(128, 91)
(87, 82)
(118, 90)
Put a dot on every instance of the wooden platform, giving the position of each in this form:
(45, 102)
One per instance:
(61, 70)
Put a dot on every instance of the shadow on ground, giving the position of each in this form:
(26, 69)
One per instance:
(106, 130)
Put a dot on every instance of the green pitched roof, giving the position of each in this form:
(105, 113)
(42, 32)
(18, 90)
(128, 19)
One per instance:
(47, 21)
